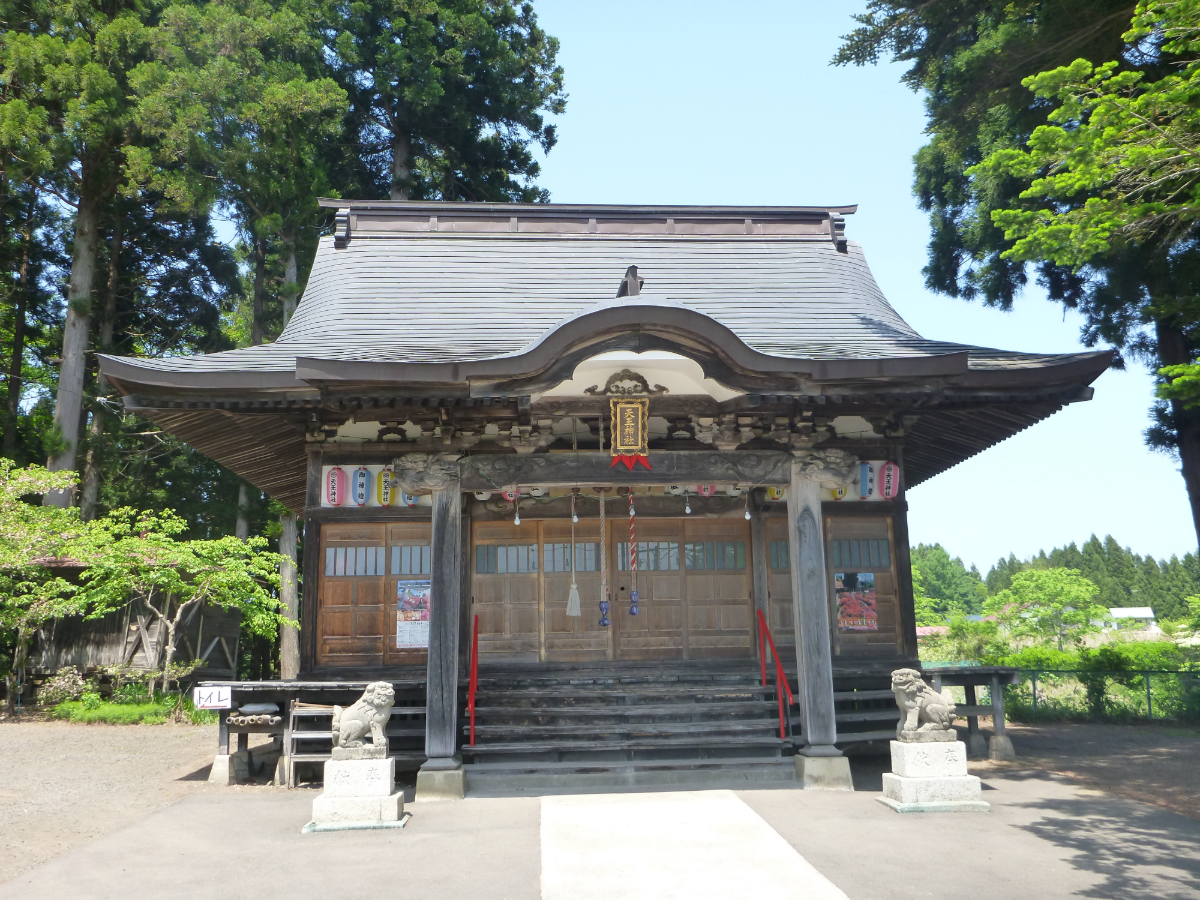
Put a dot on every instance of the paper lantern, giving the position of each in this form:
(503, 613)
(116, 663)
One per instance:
(335, 486)
(889, 481)
(866, 480)
(362, 485)
(383, 487)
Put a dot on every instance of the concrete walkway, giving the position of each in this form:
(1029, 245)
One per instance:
(691, 846)
(1044, 838)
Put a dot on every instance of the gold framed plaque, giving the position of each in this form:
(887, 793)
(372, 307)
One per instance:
(630, 431)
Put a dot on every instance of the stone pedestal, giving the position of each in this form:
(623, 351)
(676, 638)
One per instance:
(931, 777)
(222, 771)
(1000, 748)
(359, 793)
(823, 773)
(441, 779)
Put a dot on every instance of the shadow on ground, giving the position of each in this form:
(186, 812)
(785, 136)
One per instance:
(1139, 851)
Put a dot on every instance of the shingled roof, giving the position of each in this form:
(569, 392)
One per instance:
(462, 300)
(393, 294)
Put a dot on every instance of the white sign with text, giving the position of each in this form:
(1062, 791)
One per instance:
(212, 697)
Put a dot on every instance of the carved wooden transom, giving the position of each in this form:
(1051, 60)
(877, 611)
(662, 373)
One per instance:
(625, 383)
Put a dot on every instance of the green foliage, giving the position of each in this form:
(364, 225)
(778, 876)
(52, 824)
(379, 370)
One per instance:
(926, 608)
(66, 684)
(1048, 605)
(142, 558)
(156, 118)
(447, 98)
(1060, 142)
(1117, 159)
(34, 542)
(1100, 667)
(951, 586)
(967, 640)
(1123, 577)
(100, 712)
(1040, 656)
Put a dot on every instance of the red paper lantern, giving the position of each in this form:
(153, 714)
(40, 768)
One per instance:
(335, 486)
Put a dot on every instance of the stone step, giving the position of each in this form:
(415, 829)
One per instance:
(487, 778)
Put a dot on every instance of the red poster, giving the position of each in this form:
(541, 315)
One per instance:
(856, 601)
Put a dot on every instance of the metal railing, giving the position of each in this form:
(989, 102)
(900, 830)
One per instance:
(785, 710)
(1120, 676)
(473, 686)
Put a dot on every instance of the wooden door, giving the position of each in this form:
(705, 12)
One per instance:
(409, 558)
(361, 565)
(506, 591)
(659, 630)
(572, 638)
(351, 614)
(861, 566)
(716, 566)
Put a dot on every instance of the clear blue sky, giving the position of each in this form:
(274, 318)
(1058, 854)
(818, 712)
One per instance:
(704, 102)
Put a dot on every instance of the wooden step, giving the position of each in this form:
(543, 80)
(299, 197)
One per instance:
(598, 693)
(509, 778)
(299, 734)
(840, 696)
(665, 743)
(869, 715)
(761, 707)
(849, 737)
(622, 732)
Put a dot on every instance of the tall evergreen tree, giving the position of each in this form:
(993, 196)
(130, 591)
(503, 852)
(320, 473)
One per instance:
(446, 96)
(970, 59)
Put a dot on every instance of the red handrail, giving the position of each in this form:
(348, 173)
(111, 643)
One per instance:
(764, 638)
(473, 689)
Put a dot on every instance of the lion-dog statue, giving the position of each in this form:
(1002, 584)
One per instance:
(925, 715)
(368, 715)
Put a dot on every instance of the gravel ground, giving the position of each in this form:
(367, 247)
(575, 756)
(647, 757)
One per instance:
(1158, 764)
(62, 784)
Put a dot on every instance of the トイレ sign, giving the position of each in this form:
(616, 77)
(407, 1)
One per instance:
(212, 697)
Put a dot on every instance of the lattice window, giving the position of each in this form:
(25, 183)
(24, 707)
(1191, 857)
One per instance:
(506, 559)
(715, 555)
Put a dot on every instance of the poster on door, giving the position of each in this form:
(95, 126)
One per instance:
(412, 615)
(856, 601)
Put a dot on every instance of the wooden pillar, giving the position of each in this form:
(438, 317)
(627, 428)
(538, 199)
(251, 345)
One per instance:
(819, 764)
(1000, 746)
(441, 717)
(289, 637)
(810, 597)
(311, 565)
(759, 563)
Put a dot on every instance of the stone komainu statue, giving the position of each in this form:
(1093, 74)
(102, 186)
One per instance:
(368, 715)
(925, 715)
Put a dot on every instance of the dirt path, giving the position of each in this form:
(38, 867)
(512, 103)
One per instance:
(63, 784)
(1158, 764)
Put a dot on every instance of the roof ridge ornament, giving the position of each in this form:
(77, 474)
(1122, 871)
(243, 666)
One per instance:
(631, 285)
(341, 228)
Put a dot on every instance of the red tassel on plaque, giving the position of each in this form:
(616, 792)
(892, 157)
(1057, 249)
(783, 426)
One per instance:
(631, 460)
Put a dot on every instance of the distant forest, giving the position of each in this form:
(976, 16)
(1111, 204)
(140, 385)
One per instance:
(1123, 577)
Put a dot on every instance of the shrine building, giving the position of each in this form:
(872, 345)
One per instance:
(701, 422)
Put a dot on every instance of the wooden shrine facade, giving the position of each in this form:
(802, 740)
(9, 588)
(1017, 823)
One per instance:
(443, 396)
